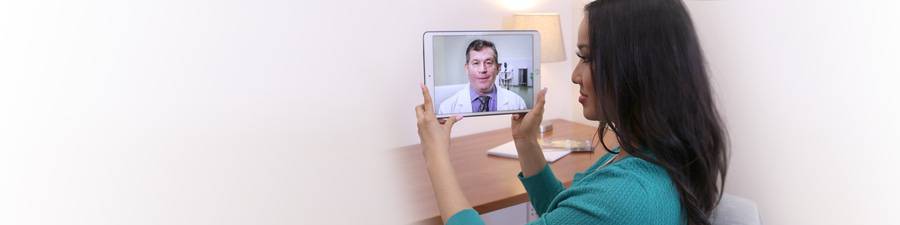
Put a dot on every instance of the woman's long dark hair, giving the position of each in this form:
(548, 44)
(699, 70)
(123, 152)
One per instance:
(654, 94)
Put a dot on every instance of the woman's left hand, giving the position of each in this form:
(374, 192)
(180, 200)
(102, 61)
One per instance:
(435, 137)
(434, 133)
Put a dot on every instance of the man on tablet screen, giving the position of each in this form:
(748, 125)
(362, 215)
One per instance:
(482, 94)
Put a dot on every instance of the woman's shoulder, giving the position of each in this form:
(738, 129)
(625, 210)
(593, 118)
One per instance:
(631, 186)
(632, 166)
(634, 173)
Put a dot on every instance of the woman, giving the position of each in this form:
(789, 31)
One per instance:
(642, 76)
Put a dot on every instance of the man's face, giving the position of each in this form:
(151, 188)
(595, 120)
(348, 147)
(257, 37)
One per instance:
(482, 68)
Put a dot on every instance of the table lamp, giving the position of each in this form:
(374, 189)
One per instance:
(547, 24)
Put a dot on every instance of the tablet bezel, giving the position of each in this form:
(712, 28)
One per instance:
(428, 53)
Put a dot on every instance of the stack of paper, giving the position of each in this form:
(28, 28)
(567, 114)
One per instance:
(508, 150)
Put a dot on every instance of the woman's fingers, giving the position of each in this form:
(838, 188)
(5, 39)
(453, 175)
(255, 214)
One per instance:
(452, 120)
(427, 98)
(539, 104)
(537, 111)
(420, 112)
(425, 111)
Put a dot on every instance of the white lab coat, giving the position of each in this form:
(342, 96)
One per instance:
(461, 101)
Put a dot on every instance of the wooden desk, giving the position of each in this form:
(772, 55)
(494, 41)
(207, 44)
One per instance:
(488, 182)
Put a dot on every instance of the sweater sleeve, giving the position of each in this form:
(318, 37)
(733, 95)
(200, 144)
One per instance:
(465, 217)
(542, 188)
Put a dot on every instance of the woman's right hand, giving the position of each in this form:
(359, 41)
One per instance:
(526, 126)
(526, 131)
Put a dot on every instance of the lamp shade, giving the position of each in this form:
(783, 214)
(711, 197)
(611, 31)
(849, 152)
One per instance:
(547, 24)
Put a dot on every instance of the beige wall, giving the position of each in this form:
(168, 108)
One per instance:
(234, 112)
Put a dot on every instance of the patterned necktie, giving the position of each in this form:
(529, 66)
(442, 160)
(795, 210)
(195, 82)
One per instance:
(484, 103)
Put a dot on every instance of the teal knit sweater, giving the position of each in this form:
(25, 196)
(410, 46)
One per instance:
(628, 191)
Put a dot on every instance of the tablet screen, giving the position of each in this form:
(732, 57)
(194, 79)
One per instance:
(482, 73)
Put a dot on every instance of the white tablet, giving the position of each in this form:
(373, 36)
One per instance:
(477, 73)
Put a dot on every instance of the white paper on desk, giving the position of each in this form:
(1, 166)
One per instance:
(508, 150)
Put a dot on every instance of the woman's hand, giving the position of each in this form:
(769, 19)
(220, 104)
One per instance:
(526, 131)
(434, 133)
(435, 137)
(526, 126)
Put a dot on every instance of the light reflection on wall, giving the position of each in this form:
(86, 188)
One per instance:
(518, 5)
